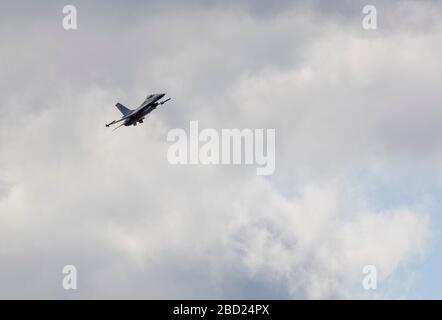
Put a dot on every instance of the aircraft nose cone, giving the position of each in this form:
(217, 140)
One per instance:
(162, 95)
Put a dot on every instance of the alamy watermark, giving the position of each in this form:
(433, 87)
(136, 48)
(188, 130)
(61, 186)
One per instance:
(70, 279)
(69, 21)
(227, 146)
(370, 279)
(370, 20)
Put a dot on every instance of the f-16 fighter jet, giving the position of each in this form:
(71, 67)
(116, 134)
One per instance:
(132, 117)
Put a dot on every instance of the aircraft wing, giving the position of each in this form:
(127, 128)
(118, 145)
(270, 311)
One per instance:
(153, 107)
(115, 121)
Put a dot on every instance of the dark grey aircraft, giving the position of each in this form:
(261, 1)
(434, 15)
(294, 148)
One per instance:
(132, 117)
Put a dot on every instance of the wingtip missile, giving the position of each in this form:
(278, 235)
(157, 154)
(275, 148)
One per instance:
(163, 102)
(109, 124)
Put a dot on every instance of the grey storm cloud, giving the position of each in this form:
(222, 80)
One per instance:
(341, 99)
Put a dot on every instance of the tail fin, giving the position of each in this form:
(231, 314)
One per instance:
(123, 109)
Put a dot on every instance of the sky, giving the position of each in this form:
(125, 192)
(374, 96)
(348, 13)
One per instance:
(357, 115)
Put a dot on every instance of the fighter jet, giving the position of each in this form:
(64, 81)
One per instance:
(132, 117)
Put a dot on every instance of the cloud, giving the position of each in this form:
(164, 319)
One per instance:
(319, 243)
(342, 101)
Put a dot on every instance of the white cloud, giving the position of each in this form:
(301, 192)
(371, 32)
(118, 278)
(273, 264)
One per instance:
(319, 242)
(340, 99)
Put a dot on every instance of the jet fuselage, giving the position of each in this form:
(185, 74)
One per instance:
(146, 107)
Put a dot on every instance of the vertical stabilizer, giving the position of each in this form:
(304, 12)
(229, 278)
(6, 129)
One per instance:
(125, 111)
